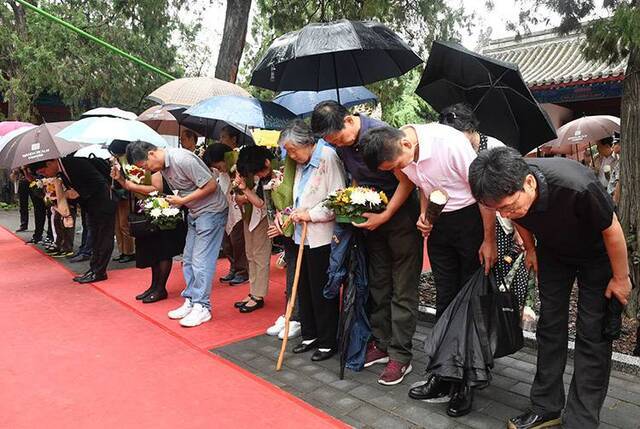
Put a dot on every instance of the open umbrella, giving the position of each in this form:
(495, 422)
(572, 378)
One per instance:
(244, 111)
(37, 144)
(111, 112)
(160, 119)
(103, 130)
(11, 135)
(8, 126)
(495, 90)
(188, 91)
(348, 269)
(302, 102)
(93, 151)
(333, 55)
(585, 130)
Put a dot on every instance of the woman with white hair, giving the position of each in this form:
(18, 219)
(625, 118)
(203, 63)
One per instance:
(319, 172)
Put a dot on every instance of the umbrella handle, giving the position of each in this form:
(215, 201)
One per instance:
(292, 298)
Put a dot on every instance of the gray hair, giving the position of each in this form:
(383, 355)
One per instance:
(139, 151)
(297, 132)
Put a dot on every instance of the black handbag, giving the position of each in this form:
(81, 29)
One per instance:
(140, 226)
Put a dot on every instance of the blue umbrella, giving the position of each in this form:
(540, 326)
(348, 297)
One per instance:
(302, 102)
(249, 112)
(103, 130)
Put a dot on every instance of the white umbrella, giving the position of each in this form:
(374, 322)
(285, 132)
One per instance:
(95, 150)
(112, 112)
(103, 130)
(188, 91)
(586, 129)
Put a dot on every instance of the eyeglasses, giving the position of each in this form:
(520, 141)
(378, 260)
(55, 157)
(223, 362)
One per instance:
(512, 206)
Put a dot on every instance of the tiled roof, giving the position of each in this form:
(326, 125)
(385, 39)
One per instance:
(545, 58)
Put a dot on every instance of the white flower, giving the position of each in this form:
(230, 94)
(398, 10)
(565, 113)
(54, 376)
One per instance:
(153, 194)
(155, 213)
(170, 212)
(358, 197)
(373, 198)
(148, 205)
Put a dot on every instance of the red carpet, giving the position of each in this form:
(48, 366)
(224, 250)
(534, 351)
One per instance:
(73, 357)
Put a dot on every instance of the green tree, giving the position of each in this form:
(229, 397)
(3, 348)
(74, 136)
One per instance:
(611, 39)
(38, 56)
(419, 22)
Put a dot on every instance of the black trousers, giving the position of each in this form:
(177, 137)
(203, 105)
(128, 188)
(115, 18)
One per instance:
(233, 249)
(318, 315)
(23, 200)
(592, 358)
(39, 214)
(395, 253)
(453, 246)
(102, 228)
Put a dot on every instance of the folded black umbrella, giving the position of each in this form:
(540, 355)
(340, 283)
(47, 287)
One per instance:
(495, 90)
(333, 55)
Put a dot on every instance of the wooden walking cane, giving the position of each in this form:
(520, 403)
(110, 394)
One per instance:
(292, 298)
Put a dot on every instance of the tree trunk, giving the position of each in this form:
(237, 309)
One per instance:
(630, 159)
(233, 38)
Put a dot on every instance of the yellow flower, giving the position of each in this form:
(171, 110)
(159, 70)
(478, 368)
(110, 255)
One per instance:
(163, 203)
(384, 198)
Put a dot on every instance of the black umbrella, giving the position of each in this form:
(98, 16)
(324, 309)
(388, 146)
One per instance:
(495, 90)
(333, 55)
(210, 127)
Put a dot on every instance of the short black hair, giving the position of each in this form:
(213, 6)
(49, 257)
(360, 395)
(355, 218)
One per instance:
(118, 147)
(251, 160)
(459, 116)
(215, 153)
(139, 151)
(379, 145)
(328, 118)
(496, 174)
(35, 166)
(607, 141)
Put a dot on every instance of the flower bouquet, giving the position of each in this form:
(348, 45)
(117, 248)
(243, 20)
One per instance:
(134, 174)
(160, 213)
(350, 203)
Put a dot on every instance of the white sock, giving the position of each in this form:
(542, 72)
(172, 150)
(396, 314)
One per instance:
(307, 342)
(324, 350)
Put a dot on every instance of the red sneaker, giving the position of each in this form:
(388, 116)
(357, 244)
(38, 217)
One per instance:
(374, 355)
(394, 372)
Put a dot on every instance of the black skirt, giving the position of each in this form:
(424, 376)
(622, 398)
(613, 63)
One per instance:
(160, 246)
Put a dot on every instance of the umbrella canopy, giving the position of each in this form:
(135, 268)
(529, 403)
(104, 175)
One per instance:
(586, 130)
(8, 126)
(103, 130)
(160, 119)
(188, 91)
(211, 127)
(302, 102)
(11, 135)
(334, 55)
(95, 150)
(37, 144)
(495, 90)
(111, 112)
(249, 112)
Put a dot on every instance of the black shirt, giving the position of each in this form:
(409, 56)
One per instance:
(354, 163)
(571, 211)
(92, 185)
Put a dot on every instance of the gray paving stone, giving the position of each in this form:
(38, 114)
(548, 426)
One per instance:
(325, 376)
(344, 385)
(625, 416)
(521, 389)
(503, 382)
(328, 395)
(500, 411)
(310, 369)
(367, 414)
(388, 422)
(366, 393)
(346, 404)
(386, 402)
(516, 374)
(481, 421)
(423, 417)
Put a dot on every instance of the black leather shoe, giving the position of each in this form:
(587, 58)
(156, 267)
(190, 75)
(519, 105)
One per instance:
(435, 391)
(238, 280)
(317, 356)
(461, 401)
(303, 348)
(81, 276)
(144, 294)
(92, 278)
(246, 308)
(33, 241)
(239, 304)
(126, 258)
(532, 420)
(155, 296)
(228, 277)
(79, 258)
(117, 258)
(22, 228)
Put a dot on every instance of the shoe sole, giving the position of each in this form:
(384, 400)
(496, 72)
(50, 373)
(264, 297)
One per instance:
(550, 423)
(440, 400)
(177, 317)
(193, 326)
(398, 381)
(373, 362)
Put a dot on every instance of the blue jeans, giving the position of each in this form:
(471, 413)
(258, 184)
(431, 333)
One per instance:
(204, 237)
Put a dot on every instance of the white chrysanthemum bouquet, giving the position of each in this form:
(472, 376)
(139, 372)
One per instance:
(350, 203)
(161, 214)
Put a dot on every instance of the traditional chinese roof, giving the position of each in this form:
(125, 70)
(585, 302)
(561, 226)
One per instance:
(548, 59)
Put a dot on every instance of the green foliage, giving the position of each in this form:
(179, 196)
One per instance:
(419, 22)
(40, 56)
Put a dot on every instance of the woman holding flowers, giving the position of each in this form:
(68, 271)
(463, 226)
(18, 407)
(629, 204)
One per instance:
(319, 173)
(156, 250)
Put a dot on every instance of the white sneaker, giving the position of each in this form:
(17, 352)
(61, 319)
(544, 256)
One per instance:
(182, 311)
(198, 315)
(295, 329)
(277, 327)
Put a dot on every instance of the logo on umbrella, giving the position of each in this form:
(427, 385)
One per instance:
(35, 146)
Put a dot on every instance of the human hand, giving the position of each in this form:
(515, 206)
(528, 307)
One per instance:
(620, 288)
(424, 226)
(115, 172)
(239, 182)
(299, 216)
(374, 220)
(241, 199)
(531, 260)
(175, 200)
(488, 254)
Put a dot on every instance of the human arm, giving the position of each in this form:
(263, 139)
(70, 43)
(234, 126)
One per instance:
(424, 226)
(620, 285)
(156, 182)
(488, 252)
(248, 195)
(529, 244)
(404, 189)
(208, 189)
(62, 206)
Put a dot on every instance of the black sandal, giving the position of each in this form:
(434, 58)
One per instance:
(240, 304)
(259, 304)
